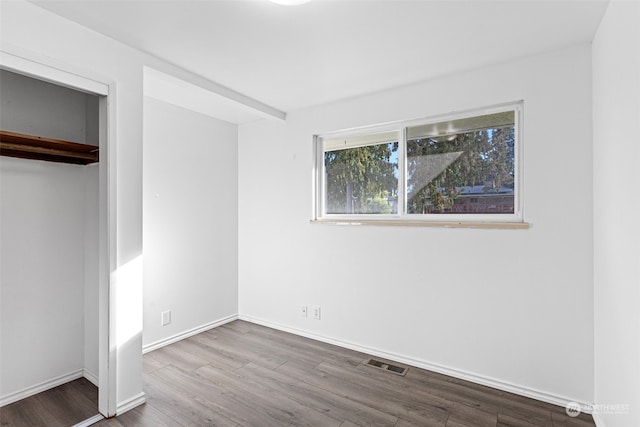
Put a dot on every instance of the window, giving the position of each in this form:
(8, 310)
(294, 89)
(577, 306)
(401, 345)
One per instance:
(361, 174)
(458, 168)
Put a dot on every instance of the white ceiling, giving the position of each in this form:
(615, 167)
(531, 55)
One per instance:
(291, 57)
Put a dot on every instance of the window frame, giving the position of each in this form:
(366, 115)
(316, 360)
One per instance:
(402, 217)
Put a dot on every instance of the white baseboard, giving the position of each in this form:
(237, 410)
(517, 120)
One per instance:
(39, 388)
(129, 404)
(456, 373)
(186, 334)
(90, 421)
(90, 376)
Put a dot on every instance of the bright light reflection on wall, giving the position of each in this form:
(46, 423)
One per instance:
(128, 283)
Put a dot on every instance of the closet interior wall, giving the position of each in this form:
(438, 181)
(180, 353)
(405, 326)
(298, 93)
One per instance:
(48, 243)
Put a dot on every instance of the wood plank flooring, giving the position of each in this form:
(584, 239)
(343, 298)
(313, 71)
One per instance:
(62, 406)
(242, 374)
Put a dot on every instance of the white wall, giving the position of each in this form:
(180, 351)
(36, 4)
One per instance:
(39, 108)
(91, 272)
(42, 272)
(616, 114)
(510, 306)
(48, 243)
(190, 220)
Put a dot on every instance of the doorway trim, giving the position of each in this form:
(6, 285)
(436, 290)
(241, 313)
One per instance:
(40, 68)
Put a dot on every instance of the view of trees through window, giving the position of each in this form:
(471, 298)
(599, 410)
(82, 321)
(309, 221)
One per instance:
(470, 172)
(461, 166)
(362, 180)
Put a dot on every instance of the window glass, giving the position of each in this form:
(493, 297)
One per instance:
(361, 175)
(464, 166)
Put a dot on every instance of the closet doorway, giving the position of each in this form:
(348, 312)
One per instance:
(54, 239)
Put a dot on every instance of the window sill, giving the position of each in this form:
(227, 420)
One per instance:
(441, 224)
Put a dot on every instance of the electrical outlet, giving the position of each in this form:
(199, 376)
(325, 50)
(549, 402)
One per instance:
(303, 310)
(316, 312)
(166, 318)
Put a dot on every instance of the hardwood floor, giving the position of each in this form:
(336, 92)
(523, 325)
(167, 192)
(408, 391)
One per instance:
(242, 374)
(62, 406)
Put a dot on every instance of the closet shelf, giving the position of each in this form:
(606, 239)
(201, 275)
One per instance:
(14, 144)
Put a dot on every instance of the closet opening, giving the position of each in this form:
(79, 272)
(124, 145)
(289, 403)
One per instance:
(54, 263)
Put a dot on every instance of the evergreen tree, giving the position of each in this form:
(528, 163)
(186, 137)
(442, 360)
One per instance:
(361, 180)
(438, 166)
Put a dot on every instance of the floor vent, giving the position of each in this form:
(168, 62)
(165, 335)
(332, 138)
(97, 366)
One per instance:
(398, 370)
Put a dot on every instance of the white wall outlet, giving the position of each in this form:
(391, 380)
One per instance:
(316, 312)
(303, 310)
(166, 318)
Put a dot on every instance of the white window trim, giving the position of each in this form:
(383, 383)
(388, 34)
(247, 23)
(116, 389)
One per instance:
(510, 221)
